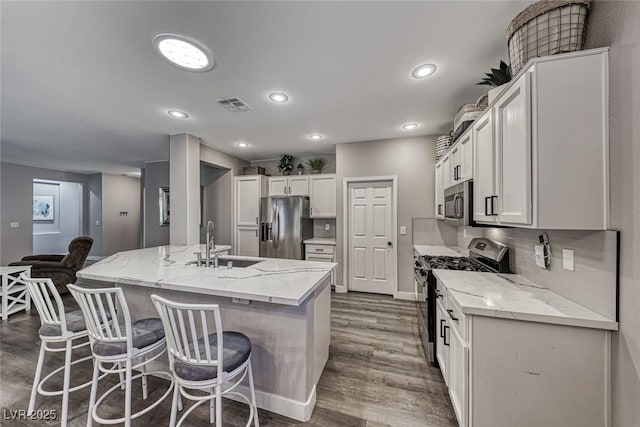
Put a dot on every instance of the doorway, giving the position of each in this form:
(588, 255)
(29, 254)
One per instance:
(57, 215)
(370, 217)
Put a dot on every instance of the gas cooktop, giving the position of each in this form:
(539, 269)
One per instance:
(453, 263)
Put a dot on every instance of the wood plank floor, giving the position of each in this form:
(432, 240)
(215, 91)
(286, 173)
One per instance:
(376, 375)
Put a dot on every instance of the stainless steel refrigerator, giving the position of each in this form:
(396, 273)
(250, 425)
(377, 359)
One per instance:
(286, 224)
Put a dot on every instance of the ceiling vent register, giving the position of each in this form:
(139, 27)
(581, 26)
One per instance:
(234, 104)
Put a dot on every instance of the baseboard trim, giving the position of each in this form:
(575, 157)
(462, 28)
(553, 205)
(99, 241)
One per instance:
(299, 411)
(341, 289)
(408, 296)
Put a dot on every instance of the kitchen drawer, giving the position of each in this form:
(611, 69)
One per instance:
(455, 312)
(320, 249)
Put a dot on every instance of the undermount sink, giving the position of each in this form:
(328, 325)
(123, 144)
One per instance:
(236, 262)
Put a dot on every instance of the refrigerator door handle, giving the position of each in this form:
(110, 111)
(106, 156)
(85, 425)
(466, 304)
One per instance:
(276, 222)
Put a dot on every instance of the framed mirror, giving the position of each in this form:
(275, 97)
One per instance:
(164, 205)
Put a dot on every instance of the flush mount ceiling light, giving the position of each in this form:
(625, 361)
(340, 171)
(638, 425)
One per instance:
(183, 52)
(316, 137)
(242, 144)
(424, 70)
(409, 126)
(178, 114)
(278, 97)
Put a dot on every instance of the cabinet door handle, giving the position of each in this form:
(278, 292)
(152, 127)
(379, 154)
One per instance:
(311, 211)
(455, 173)
(441, 328)
(256, 220)
(486, 205)
(256, 233)
(493, 211)
(445, 335)
(451, 315)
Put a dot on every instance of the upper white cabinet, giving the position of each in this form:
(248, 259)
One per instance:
(439, 190)
(447, 171)
(248, 191)
(462, 159)
(292, 185)
(322, 196)
(541, 150)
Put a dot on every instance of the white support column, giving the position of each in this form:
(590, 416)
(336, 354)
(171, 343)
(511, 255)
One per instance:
(184, 187)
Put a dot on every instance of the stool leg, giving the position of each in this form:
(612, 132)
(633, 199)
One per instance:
(174, 404)
(127, 395)
(36, 380)
(67, 380)
(252, 388)
(212, 407)
(145, 394)
(219, 405)
(94, 391)
(121, 375)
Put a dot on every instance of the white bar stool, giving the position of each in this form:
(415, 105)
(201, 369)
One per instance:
(121, 341)
(57, 327)
(205, 362)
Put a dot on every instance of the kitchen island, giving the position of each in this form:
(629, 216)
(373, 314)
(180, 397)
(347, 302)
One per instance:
(282, 305)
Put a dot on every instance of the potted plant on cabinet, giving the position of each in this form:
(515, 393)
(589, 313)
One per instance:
(300, 168)
(497, 79)
(286, 165)
(317, 164)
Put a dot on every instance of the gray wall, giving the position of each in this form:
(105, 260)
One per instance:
(412, 160)
(120, 194)
(217, 203)
(94, 225)
(156, 175)
(617, 24)
(17, 203)
(53, 236)
(271, 165)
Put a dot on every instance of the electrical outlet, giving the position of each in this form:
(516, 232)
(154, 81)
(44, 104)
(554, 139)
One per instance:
(327, 227)
(568, 260)
(15, 225)
(403, 229)
(97, 223)
(464, 232)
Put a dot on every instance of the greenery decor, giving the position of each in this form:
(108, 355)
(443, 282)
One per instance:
(300, 168)
(497, 76)
(286, 165)
(317, 164)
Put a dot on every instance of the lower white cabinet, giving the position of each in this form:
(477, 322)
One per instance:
(247, 242)
(321, 253)
(506, 372)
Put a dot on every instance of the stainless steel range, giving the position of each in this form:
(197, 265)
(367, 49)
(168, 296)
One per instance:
(485, 256)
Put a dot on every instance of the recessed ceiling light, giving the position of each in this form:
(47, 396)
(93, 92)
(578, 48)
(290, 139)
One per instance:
(178, 114)
(423, 70)
(242, 144)
(278, 97)
(315, 137)
(409, 126)
(183, 52)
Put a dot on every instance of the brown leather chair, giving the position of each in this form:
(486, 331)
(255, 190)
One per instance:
(61, 269)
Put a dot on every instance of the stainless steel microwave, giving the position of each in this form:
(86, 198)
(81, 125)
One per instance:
(458, 204)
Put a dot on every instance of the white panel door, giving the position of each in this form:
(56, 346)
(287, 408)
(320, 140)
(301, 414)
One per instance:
(278, 186)
(323, 196)
(513, 137)
(298, 186)
(247, 201)
(484, 169)
(371, 251)
(247, 243)
(439, 191)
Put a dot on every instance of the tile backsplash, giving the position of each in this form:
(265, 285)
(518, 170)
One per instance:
(430, 231)
(319, 228)
(592, 284)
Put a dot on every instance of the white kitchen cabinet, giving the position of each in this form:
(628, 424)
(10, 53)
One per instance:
(312, 256)
(247, 242)
(549, 151)
(439, 195)
(248, 191)
(442, 339)
(322, 196)
(458, 373)
(447, 171)
(484, 188)
(462, 159)
(292, 185)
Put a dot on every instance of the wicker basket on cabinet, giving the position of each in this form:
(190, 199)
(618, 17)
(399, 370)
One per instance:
(546, 28)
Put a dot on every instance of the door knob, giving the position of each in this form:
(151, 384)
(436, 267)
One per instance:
(389, 244)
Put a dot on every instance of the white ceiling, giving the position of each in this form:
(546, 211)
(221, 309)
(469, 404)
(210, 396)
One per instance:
(83, 89)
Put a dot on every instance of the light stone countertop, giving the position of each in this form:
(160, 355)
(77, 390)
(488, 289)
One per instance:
(280, 281)
(511, 296)
(434, 250)
(320, 241)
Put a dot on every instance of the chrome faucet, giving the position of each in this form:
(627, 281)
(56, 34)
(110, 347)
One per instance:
(211, 243)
